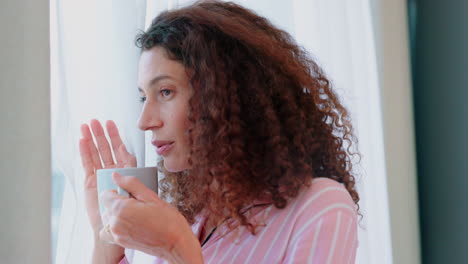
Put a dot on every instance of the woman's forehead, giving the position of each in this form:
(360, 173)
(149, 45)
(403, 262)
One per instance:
(155, 66)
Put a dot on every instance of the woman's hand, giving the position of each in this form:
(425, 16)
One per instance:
(91, 160)
(147, 223)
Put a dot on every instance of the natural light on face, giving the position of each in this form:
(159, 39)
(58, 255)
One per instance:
(165, 91)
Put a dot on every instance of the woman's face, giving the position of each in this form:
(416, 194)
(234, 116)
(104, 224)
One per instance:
(165, 88)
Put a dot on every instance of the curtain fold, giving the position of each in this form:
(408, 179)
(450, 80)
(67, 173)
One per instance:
(94, 71)
(93, 76)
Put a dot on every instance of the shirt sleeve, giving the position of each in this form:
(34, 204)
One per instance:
(124, 260)
(332, 239)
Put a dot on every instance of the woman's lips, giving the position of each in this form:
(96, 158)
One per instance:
(161, 150)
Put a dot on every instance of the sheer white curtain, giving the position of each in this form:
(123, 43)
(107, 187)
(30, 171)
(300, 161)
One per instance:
(94, 69)
(95, 76)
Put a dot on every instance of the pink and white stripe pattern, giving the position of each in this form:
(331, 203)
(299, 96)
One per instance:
(319, 226)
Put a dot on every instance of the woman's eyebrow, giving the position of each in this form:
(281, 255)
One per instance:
(155, 80)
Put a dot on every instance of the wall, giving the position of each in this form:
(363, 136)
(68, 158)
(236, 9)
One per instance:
(25, 132)
(392, 45)
(440, 73)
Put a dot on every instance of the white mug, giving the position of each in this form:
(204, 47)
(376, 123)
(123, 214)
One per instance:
(147, 175)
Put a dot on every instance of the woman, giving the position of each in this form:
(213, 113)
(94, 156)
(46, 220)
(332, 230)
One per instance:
(255, 149)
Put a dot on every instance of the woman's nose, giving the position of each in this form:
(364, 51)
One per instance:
(149, 118)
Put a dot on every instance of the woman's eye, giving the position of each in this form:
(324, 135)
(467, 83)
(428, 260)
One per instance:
(142, 99)
(165, 92)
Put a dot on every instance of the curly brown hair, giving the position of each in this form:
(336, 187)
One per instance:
(263, 115)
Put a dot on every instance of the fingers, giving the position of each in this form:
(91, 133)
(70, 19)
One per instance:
(87, 163)
(128, 159)
(106, 233)
(109, 198)
(92, 148)
(135, 187)
(115, 139)
(111, 218)
(105, 217)
(110, 233)
(103, 144)
(122, 156)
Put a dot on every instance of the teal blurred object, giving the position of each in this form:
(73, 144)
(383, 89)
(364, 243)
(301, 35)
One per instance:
(439, 52)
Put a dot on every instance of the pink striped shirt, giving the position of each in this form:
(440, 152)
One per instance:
(318, 226)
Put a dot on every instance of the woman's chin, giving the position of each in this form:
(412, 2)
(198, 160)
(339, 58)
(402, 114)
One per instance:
(170, 167)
